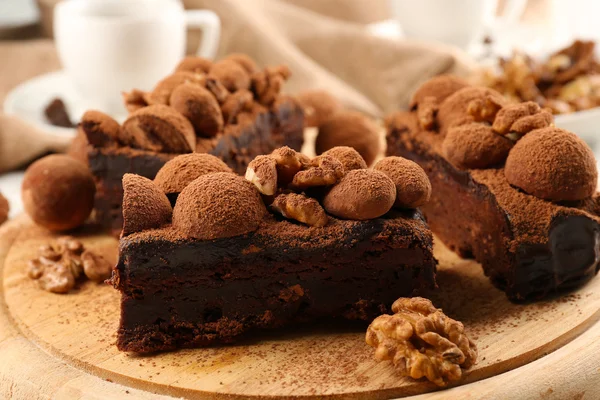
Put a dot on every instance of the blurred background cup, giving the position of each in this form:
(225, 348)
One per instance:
(110, 46)
(455, 22)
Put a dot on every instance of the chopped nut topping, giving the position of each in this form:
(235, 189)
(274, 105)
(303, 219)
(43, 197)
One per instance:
(289, 163)
(235, 104)
(426, 111)
(484, 109)
(267, 84)
(324, 171)
(521, 118)
(301, 208)
(58, 267)
(262, 172)
(421, 341)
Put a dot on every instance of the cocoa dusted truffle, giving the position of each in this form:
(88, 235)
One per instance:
(353, 129)
(100, 129)
(413, 188)
(318, 105)
(163, 89)
(178, 172)
(159, 128)
(145, 206)
(58, 192)
(361, 194)
(231, 74)
(195, 64)
(475, 146)
(552, 164)
(348, 156)
(439, 87)
(4, 209)
(217, 206)
(244, 60)
(198, 105)
(455, 109)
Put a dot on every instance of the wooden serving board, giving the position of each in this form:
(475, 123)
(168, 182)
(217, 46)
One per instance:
(62, 346)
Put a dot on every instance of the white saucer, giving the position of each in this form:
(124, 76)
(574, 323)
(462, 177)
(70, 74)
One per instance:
(30, 98)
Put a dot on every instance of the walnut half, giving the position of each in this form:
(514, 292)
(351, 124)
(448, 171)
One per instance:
(421, 341)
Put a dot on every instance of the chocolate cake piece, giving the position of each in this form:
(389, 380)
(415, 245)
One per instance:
(210, 277)
(529, 246)
(269, 130)
(232, 111)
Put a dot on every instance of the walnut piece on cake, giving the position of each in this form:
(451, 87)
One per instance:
(421, 341)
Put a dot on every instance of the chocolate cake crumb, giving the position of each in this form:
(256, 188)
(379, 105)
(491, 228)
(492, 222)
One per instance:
(145, 206)
(218, 205)
(553, 164)
(413, 188)
(361, 194)
(57, 114)
(178, 172)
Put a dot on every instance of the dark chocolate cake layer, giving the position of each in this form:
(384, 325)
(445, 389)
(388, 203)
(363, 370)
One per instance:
(283, 126)
(529, 247)
(179, 292)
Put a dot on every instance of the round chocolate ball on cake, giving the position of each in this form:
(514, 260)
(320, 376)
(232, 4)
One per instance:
(58, 192)
(413, 188)
(353, 129)
(218, 205)
(552, 164)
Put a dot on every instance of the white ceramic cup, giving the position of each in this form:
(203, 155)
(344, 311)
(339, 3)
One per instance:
(109, 46)
(456, 22)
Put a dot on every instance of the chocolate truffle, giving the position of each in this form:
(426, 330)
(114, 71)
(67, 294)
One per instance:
(361, 194)
(58, 192)
(439, 87)
(178, 172)
(552, 164)
(100, 129)
(217, 206)
(244, 60)
(198, 105)
(231, 74)
(159, 128)
(145, 206)
(413, 188)
(349, 157)
(454, 110)
(4, 209)
(194, 64)
(163, 89)
(475, 146)
(353, 129)
(318, 105)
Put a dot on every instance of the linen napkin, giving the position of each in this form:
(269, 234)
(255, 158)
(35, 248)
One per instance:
(367, 73)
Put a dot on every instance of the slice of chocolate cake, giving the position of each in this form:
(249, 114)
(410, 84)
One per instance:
(297, 241)
(224, 109)
(509, 189)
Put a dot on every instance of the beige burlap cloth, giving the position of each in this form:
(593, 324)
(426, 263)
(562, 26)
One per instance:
(325, 43)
